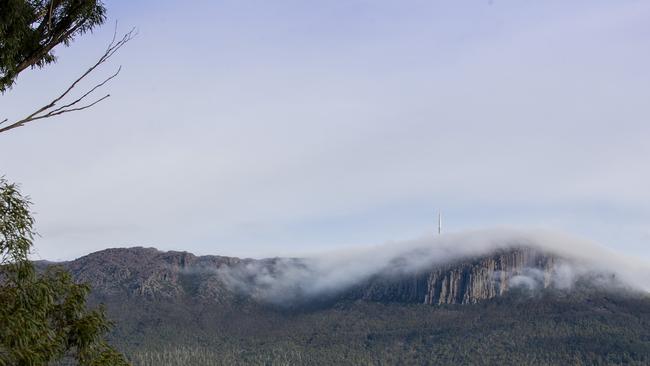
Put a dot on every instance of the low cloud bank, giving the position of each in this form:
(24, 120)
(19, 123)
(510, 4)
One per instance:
(285, 279)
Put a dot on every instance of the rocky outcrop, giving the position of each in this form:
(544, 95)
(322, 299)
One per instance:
(486, 278)
(463, 282)
(150, 273)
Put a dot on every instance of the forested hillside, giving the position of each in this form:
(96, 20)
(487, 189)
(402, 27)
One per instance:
(168, 312)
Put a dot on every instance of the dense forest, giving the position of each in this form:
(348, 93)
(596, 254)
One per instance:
(594, 329)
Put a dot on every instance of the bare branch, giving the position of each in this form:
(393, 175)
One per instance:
(52, 114)
(80, 108)
(87, 93)
(61, 111)
(114, 33)
(112, 48)
(49, 109)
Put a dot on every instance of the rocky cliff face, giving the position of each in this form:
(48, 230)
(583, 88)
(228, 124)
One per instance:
(464, 282)
(485, 278)
(151, 274)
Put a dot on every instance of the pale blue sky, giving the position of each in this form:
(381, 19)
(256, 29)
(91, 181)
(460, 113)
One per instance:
(257, 128)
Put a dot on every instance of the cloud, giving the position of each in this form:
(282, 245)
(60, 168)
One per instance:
(280, 280)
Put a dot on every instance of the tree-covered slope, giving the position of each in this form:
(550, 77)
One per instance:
(169, 309)
(551, 330)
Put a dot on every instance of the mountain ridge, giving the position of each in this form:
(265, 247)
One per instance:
(175, 308)
(155, 274)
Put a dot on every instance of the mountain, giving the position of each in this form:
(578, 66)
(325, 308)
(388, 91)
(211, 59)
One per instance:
(152, 274)
(175, 308)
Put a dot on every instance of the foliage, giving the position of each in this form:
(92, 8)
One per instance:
(30, 29)
(15, 224)
(43, 316)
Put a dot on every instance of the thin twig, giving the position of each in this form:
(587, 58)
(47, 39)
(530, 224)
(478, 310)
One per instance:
(52, 114)
(88, 92)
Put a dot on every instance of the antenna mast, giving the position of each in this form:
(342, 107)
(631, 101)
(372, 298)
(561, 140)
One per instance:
(439, 222)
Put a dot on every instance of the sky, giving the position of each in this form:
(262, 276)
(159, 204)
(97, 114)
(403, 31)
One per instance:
(257, 128)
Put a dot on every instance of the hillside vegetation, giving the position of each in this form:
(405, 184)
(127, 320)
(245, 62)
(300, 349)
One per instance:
(598, 330)
(169, 313)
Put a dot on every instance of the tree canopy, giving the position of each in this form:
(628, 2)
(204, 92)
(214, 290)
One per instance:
(44, 315)
(29, 32)
(30, 29)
